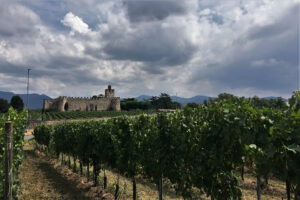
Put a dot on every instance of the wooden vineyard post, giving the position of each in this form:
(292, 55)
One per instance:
(88, 172)
(8, 161)
(74, 164)
(160, 196)
(62, 159)
(242, 173)
(105, 180)
(80, 165)
(134, 188)
(117, 188)
(258, 189)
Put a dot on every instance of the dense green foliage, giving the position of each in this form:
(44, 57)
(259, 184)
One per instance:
(195, 148)
(164, 101)
(275, 103)
(37, 114)
(191, 105)
(18, 121)
(132, 104)
(17, 103)
(42, 134)
(3, 106)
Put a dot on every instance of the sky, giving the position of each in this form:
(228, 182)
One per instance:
(179, 47)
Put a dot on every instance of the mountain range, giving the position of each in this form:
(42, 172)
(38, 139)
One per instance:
(36, 100)
(196, 99)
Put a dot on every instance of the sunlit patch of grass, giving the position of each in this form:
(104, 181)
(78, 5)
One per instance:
(146, 190)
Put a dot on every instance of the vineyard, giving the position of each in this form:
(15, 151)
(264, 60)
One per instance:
(18, 120)
(199, 149)
(37, 114)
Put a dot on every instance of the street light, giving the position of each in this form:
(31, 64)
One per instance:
(27, 103)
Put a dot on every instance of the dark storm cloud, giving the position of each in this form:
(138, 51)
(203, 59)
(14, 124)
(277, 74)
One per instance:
(16, 20)
(146, 10)
(152, 44)
(268, 59)
(277, 76)
(51, 12)
(67, 62)
(60, 68)
(271, 64)
(69, 70)
(288, 22)
(12, 69)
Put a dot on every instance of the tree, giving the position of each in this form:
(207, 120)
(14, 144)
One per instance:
(17, 103)
(227, 96)
(3, 106)
(164, 101)
(132, 104)
(191, 105)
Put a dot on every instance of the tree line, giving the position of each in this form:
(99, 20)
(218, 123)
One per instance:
(16, 102)
(164, 101)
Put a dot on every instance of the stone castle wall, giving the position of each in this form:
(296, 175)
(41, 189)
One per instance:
(109, 102)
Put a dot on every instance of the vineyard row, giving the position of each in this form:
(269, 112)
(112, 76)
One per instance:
(18, 123)
(200, 148)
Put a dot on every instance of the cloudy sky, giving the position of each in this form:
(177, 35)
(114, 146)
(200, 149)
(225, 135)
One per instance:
(183, 47)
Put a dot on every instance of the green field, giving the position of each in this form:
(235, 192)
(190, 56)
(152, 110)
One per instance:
(38, 115)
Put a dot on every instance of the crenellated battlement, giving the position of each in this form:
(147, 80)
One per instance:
(98, 103)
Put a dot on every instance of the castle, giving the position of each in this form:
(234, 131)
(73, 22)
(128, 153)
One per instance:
(96, 103)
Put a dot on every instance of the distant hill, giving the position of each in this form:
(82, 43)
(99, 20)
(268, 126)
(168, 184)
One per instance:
(35, 100)
(143, 97)
(196, 99)
(268, 98)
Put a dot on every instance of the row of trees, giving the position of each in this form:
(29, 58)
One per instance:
(199, 148)
(278, 103)
(164, 101)
(16, 102)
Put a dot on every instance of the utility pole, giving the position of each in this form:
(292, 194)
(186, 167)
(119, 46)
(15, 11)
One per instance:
(28, 70)
(27, 103)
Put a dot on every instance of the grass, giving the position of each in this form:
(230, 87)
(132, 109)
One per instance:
(146, 190)
(40, 179)
(274, 190)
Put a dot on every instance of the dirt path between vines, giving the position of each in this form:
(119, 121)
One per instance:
(41, 178)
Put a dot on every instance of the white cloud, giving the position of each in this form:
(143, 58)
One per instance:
(199, 47)
(75, 23)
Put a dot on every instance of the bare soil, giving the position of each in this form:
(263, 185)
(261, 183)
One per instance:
(43, 178)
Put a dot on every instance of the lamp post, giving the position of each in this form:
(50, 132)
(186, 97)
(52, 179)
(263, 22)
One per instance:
(27, 102)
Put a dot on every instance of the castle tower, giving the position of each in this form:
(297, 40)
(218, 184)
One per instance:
(109, 93)
(61, 104)
(115, 104)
